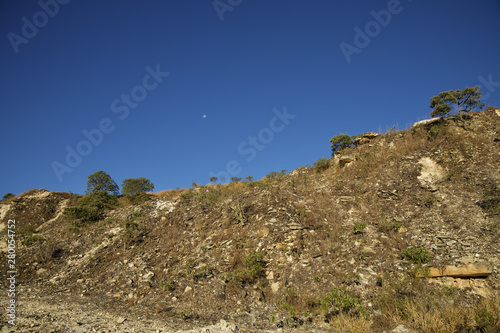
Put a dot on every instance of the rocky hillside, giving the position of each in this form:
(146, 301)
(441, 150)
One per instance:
(399, 233)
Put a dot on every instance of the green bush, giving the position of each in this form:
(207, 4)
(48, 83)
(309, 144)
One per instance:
(416, 255)
(358, 228)
(388, 225)
(434, 131)
(340, 300)
(138, 198)
(33, 239)
(90, 208)
(254, 262)
(84, 214)
(254, 269)
(7, 196)
(322, 164)
(99, 200)
(429, 200)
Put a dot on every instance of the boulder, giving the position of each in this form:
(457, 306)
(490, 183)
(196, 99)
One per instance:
(425, 122)
(343, 160)
(370, 135)
(361, 141)
(365, 138)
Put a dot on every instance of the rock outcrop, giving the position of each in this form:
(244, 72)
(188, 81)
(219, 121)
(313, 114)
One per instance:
(473, 270)
(365, 138)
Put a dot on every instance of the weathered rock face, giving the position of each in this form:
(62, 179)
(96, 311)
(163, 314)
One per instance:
(370, 135)
(38, 206)
(32, 211)
(365, 138)
(473, 270)
(431, 174)
(426, 122)
(344, 160)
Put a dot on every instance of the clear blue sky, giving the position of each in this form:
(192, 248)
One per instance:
(73, 66)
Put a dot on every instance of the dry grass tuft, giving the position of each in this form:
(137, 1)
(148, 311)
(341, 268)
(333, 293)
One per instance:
(30, 192)
(426, 308)
(350, 324)
(167, 194)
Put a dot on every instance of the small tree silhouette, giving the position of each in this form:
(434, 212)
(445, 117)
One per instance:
(465, 100)
(134, 186)
(100, 181)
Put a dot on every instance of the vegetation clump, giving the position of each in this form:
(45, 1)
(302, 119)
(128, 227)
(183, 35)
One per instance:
(7, 196)
(90, 208)
(416, 255)
(340, 142)
(389, 225)
(429, 200)
(134, 186)
(32, 239)
(322, 164)
(253, 269)
(100, 181)
(491, 201)
(464, 100)
(204, 195)
(342, 301)
(276, 175)
(434, 132)
(357, 229)
(135, 189)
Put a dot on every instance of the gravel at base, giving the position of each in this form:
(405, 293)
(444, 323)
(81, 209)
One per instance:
(64, 313)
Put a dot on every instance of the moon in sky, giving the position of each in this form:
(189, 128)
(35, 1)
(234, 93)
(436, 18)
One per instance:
(204, 116)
